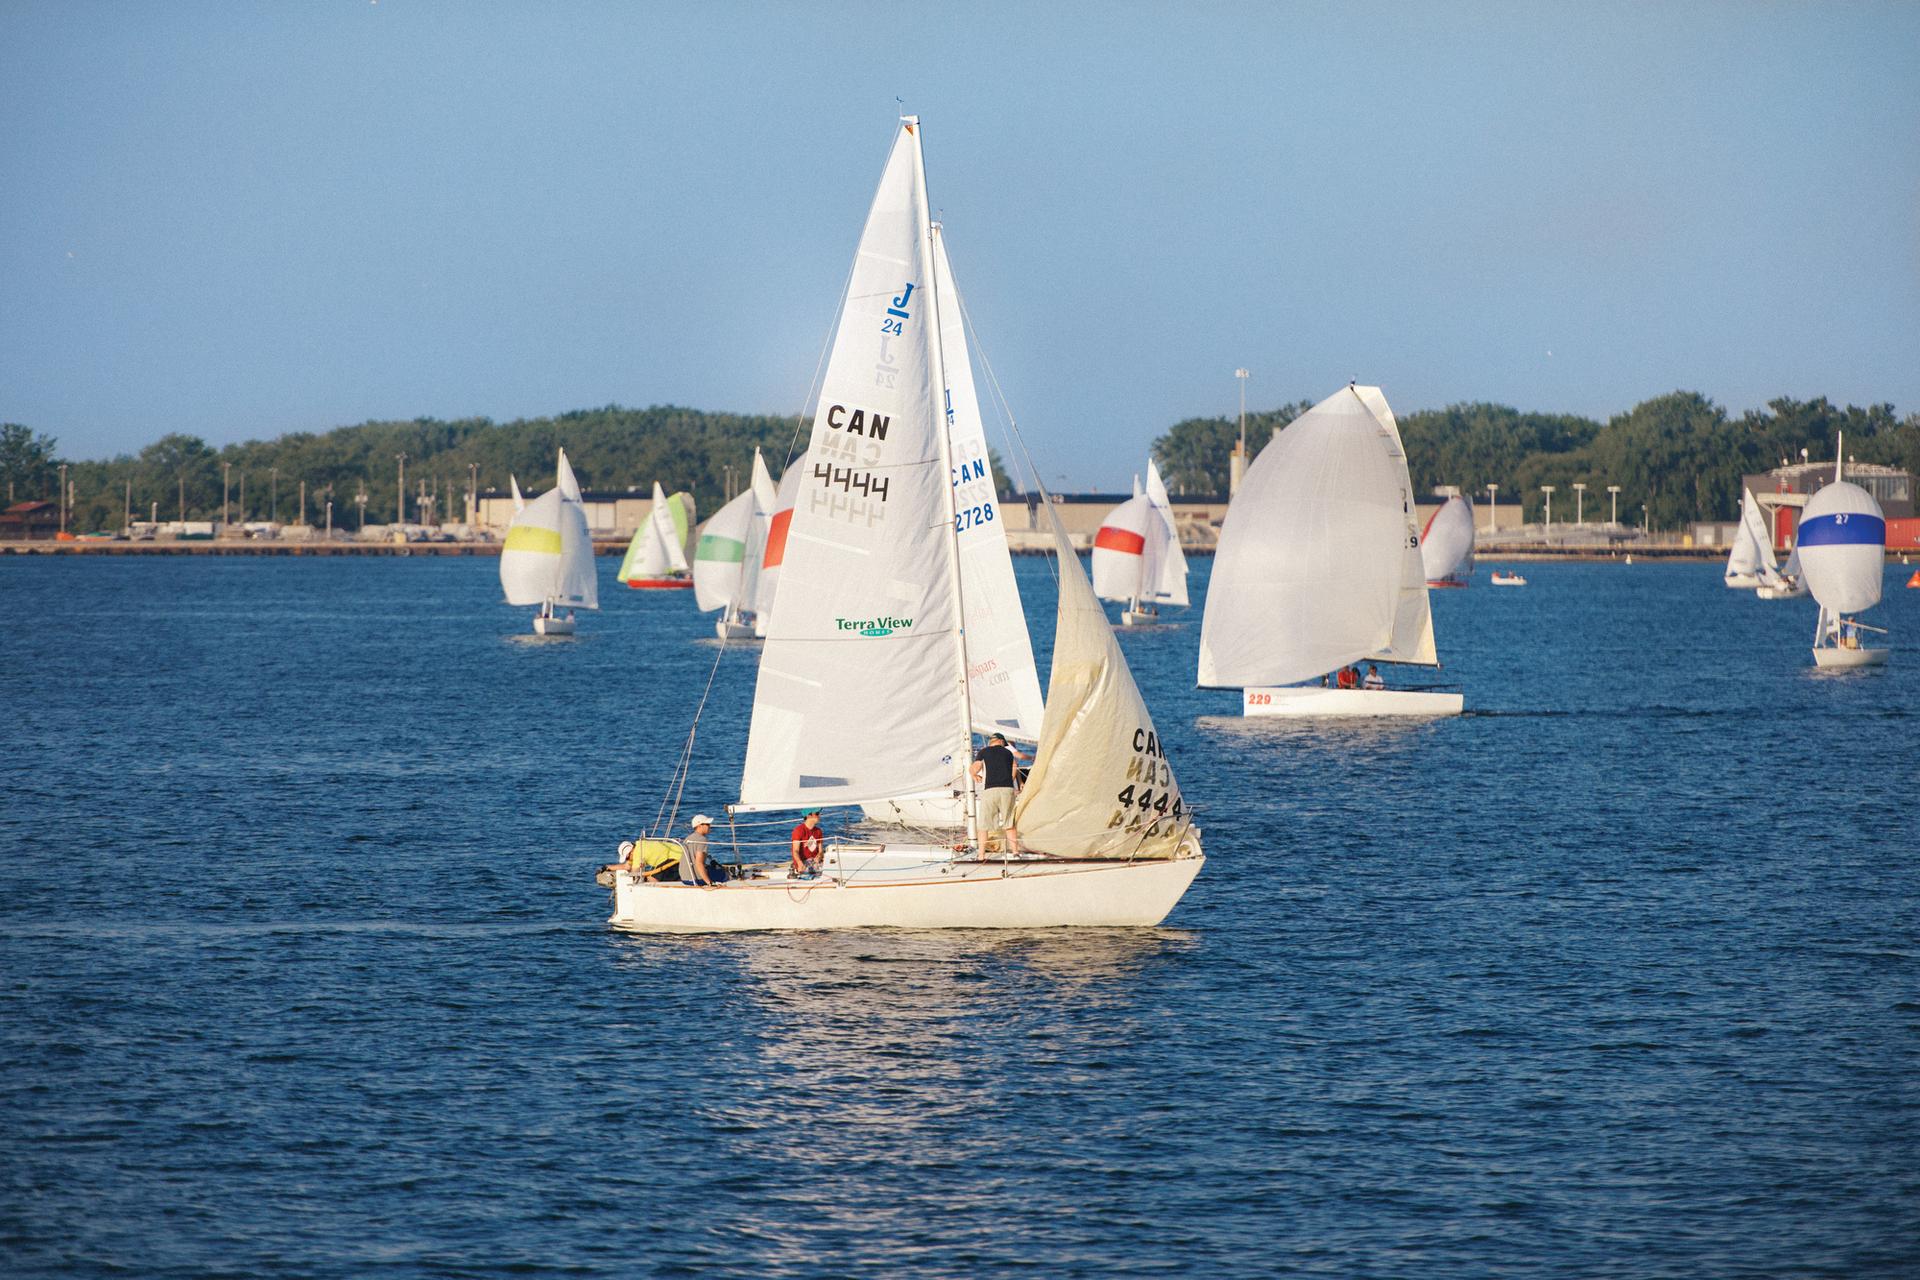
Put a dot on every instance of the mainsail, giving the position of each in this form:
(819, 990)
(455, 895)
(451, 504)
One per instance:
(1446, 544)
(1136, 551)
(1172, 584)
(659, 546)
(1101, 786)
(1319, 561)
(548, 554)
(862, 681)
(1752, 552)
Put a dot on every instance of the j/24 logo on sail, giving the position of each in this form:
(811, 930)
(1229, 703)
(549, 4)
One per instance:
(897, 313)
(874, 626)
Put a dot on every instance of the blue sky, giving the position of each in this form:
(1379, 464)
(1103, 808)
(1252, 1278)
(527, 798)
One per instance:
(243, 219)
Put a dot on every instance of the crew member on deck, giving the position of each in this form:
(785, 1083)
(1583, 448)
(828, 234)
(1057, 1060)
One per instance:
(695, 867)
(994, 765)
(1374, 679)
(809, 847)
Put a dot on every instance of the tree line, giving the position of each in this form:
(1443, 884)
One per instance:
(1679, 456)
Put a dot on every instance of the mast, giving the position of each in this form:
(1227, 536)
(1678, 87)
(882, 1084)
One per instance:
(943, 413)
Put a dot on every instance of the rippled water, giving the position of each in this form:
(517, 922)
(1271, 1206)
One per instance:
(302, 971)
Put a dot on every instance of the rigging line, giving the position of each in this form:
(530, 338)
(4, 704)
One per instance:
(677, 785)
(833, 328)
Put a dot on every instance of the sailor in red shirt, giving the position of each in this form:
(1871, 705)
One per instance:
(808, 847)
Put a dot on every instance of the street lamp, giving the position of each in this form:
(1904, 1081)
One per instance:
(63, 497)
(273, 509)
(1493, 506)
(1614, 490)
(1548, 490)
(226, 488)
(1579, 502)
(360, 499)
(1238, 467)
(401, 488)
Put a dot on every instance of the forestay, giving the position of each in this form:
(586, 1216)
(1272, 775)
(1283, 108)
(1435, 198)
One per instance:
(548, 553)
(1446, 545)
(861, 686)
(1102, 785)
(1002, 678)
(1319, 561)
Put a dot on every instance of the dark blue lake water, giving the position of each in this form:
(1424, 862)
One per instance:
(303, 972)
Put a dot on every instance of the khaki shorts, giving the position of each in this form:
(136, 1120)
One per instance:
(996, 809)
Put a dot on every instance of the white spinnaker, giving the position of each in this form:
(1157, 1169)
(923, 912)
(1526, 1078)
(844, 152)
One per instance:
(1842, 546)
(1446, 547)
(548, 554)
(1002, 678)
(860, 679)
(1743, 558)
(1759, 538)
(1319, 559)
(1172, 585)
(720, 555)
(1101, 785)
(774, 553)
(1125, 551)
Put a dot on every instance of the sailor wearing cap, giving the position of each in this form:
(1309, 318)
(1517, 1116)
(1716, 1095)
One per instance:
(694, 868)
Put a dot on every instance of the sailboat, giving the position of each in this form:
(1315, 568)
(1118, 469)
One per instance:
(547, 559)
(1136, 554)
(726, 560)
(1319, 568)
(656, 558)
(1842, 544)
(1002, 681)
(1751, 556)
(864, 690)
(778, 522)
(1446, 544)
(1788, 582)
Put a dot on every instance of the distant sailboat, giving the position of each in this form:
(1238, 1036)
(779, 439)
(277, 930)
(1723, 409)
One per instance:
(1842, 545)
(775, 553)
(726, 560)
(1752, 554)
(547, 559)
(1319, 568)
(1137, 558)
(1788, 582)
(1446, 544)
(866, 678)
(657, 556)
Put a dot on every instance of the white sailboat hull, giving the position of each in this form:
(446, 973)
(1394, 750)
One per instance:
(1742, 581)
(547, 626)
(913, 887)
(1781, 592)
(1839, 659)
(732, 630)
(1293, 700)
(1138, 617)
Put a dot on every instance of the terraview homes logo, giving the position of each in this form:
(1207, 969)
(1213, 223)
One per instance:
(874, 626)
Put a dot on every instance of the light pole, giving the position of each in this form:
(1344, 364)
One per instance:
(1614, 491)
(183, 502)
(126, 511)
(226, 489)
(329, 519)
(1237, 466)
(63, 497)
(1493, 506)
(402, 487)
(303, 504)
(361, 499)
(1548, 490)
(1579, 502)
(273, 508)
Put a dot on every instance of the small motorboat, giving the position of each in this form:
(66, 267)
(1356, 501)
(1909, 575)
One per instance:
(1507, 578)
